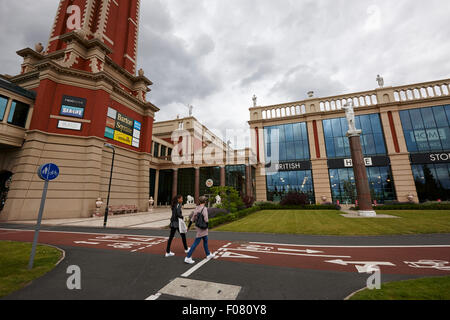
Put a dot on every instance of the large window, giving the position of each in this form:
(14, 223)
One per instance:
(427, 129)
(432, 181)
(163, 151)
(281, 183)
(3, 104)
(235, 177)
(156, 149)
(343, 186)
(372, 139)
(18, 114)
(292, 142)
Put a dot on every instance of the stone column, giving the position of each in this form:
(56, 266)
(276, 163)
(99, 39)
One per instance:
(175, 183)
(155, 195)
(248, 181)
(360, 173)
(197, 185)
(222, 176)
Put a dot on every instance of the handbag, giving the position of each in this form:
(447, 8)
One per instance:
(182, 226)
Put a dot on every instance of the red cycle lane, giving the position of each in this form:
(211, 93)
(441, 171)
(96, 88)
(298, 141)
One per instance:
(417, 260)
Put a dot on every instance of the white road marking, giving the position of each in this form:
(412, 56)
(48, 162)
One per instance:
(332, 246)
(291, 254)
(237, 256)
(89, 233)
(154, 296)
(86, 242)
(297, 250)
(362, 266)
(194, 268)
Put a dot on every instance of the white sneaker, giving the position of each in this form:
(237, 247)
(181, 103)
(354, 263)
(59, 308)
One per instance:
(170, 254)
(189, 260)
(186, 251)
(211, 255)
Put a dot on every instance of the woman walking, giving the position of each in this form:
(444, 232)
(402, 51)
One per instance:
(200, 217)
(177, 202)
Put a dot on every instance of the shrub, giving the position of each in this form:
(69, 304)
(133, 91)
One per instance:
(294, 198)
(216, 212)
(231, 200)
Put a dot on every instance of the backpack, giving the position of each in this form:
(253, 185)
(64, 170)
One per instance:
(200, 221)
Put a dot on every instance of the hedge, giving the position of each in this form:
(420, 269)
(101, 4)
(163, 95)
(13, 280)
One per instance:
(274, 206)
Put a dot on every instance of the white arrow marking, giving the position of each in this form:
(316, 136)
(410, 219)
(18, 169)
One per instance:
(291, 253)
(364, 266)
(85, 242)
(297, 250)
(237, 255)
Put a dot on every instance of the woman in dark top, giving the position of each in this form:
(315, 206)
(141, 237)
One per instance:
(177, 203)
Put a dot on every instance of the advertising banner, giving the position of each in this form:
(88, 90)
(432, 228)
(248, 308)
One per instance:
(122, 128)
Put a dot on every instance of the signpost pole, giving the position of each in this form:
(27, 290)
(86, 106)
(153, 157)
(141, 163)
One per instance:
(38, 226)
(109, 187)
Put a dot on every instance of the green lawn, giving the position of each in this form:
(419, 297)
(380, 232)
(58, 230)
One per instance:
(330, 222)
(419, 289)
(14, 256)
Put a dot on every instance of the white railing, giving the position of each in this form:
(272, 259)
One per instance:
(420, 91)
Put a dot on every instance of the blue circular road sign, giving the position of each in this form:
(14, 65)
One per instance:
(48, 172)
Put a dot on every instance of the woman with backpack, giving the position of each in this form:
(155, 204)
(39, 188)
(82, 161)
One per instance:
(177, 203)
(200, 217)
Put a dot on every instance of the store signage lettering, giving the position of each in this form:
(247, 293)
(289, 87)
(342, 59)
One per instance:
(291, 166)
(428, 135)
(70, 111)
(348, 163)
(69, 125)
(424, 158)
(122, 128)
(73, 107)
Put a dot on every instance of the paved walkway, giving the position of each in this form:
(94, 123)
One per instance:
(156, 219)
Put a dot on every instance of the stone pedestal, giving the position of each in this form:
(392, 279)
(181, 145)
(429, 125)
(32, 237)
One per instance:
(360, 173)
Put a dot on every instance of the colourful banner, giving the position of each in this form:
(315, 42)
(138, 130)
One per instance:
(123, 138)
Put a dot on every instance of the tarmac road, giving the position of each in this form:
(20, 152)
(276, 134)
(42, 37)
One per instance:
(129, 264)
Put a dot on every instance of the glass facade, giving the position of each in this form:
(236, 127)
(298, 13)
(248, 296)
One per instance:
(209, 173)
(235, 177)
(281, 183)
(372, 139)
(343, 186)
(3, 104)
(427, 129)
(18, 114)
(342, 181)
(186, 182)
(284, 143)
(432, 181)
(292, 143)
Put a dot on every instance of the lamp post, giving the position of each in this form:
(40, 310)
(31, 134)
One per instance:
(110, 180)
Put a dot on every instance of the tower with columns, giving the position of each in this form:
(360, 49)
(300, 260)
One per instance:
(87, 94)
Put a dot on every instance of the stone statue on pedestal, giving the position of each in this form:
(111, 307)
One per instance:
(380, 81)
(350, 114)
(255, 99)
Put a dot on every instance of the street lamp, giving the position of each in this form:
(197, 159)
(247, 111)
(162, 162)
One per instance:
(110, 180)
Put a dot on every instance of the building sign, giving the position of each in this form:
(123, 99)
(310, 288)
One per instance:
(209, 183)
(428, 135)
(122, 128)
(378, 161)
(289, 166)
(69, 125)
(73, 107)
(423, 158)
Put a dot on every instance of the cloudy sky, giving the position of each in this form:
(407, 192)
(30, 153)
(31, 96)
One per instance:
(215, 54)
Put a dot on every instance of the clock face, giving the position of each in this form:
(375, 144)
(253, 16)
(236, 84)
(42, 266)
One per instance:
(209, 183)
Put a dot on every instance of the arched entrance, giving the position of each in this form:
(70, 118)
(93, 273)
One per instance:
(5, 182)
